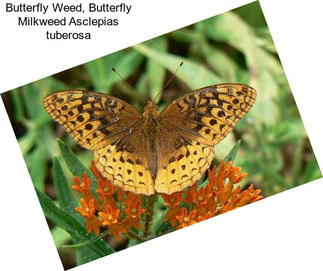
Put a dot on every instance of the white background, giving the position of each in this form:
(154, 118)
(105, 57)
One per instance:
(282, 232)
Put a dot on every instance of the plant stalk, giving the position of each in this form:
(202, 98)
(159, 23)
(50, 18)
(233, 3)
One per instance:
(150, 201)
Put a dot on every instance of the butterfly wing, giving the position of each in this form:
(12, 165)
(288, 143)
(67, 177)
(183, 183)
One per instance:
(190, 127)
(181, 160)
(92, 119)
(125, 162)
(112, 129)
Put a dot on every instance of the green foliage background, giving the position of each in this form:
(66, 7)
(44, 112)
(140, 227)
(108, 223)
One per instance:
(232, 47)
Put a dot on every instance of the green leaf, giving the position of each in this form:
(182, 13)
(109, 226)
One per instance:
(272, 174)
(224, 147)
(78, 231)
(48, 141)
(285, 131)
(193, 74)
(272, 64)
(264, 39)
(18, 106)
(186, 35)
(158, 225)
(257, 19)
(27, 141)
(233, 153)
(100, 69)
(125, 66)
(220, 62)
(60, 217)
(32, 98)
(297, 160)
(159, 214)
(50, 85)
(265, 70)
(142, 84)
(60, 236)
(312, 170)
(97, 72)
(75, 166)
(265, 109)
(233, 30)
(73, 163)
(164, 227)
(64, 194)
(37, 168)
(34, 93)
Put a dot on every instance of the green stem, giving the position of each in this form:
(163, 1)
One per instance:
(87, 242)
(150, 200)
(133, 235)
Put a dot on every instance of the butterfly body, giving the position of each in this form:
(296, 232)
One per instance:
(150, 121)
(152, 152)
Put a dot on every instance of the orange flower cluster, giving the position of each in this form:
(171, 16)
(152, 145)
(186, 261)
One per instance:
(117, 212)
(219, 195)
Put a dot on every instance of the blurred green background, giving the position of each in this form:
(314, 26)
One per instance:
(232, 47)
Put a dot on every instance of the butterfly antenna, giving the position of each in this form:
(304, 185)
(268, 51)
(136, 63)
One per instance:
(130, 86)
(124, 80)
(170, 79)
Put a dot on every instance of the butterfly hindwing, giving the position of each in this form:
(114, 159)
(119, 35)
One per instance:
(92, 119)
(125, 162)
(181, 165)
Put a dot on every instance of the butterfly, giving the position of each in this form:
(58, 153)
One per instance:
(155, 151)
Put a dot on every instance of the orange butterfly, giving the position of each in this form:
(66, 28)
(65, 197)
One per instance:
(152, 152)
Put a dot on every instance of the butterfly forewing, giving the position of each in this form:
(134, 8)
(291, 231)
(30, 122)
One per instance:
(210, 113)
(92, 119)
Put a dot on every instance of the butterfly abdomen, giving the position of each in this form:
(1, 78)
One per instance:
(150, 129)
